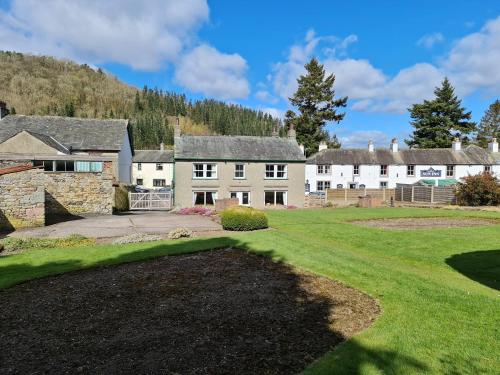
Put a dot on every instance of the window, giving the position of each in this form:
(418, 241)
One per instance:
(242, 196)
(139, 181)
(70, 166)
(450, 170)
(487, 168)
(383, 184)
(322, 185)
(139, 166)
(410, 170)
(277, 171)
(352, 185)
(205, 171)
(158, 182)
(340, 186)
(324, 169)
(383, 170)
(275, 198)
(355, 170)
(362, 186)
(159, 166)
(239, 171)
(203, 198)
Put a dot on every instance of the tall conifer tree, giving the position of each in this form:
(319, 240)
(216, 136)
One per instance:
(489, 127)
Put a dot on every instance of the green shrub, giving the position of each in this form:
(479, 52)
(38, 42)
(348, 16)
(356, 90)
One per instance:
(479, 190)
(121, 198)
(11, 244)
(243, 218)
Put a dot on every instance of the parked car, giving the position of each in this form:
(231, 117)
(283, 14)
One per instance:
(164, 190)
(141, 189)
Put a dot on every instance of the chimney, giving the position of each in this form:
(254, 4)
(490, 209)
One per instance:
(456, 145)
(275, 132)
(302, 149)
(162, 146)
(394, 145)
(370, 146)
(323, 146)
(493, 145)
(177, 128)
(3, 110)
(291, 132)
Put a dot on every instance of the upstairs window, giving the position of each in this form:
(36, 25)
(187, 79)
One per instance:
(450, 170)
(410, 170)
(239, 171)
(324, 169)
(276, 171)
(487, 168)
(159, 167)
(355, 170)
(383, 170)
(139, 166)
(204, 170)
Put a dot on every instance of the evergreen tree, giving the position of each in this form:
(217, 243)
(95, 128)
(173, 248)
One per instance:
(437, 122)
(316, 103)
(13, 111)
(489, 127)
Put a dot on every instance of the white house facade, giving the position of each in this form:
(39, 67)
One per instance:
(378, 168)
(153, 169)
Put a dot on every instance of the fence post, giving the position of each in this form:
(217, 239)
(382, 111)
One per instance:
(412, 194)
(365, 190)
(326, 196)
(345, 195)
(432, 194)
(383, 194)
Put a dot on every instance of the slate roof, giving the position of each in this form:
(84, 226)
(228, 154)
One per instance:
(50, 141)
(470, 155)
(75, 133)
(244, 148)
(153, 156)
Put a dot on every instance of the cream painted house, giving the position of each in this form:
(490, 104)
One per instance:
(258, 171)
(153, 169)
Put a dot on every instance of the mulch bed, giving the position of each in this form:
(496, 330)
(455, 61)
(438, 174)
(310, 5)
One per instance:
(425, 223)
(218, 312)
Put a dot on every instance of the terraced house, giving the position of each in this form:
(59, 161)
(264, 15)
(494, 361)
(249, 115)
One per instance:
(258, 171)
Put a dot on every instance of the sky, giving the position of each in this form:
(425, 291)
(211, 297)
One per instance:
(385, 55)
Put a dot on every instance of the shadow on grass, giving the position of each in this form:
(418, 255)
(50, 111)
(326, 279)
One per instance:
(480, 266)
(262, 331)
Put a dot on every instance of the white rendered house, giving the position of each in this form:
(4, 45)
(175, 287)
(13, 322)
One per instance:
(384, 168)
(153, 169)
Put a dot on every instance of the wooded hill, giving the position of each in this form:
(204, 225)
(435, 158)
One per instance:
(44, 85)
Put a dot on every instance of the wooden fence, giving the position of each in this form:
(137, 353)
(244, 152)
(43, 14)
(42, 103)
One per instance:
(351, 196)
(426, 194)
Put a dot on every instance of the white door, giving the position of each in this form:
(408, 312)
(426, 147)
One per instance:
(243, 197)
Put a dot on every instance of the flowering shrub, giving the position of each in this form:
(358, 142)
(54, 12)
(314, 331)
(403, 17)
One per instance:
(197, 210)
(291, 207)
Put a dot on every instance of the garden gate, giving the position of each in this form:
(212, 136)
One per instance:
(150, 201)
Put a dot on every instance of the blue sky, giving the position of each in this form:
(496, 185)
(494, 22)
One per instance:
(385, 54)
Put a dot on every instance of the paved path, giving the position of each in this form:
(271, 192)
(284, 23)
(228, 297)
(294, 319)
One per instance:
(159, 222)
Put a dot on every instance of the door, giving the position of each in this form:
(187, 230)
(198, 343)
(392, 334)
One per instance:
(242, 196)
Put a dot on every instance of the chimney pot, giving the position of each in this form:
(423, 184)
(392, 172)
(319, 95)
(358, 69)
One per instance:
(162, 146)
(394, 145)
(291, 132)
(177, 128)
(456, 145)
(370, 146)
(323, 146)
(493, 145)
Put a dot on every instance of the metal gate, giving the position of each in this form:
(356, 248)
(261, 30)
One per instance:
(150, 201)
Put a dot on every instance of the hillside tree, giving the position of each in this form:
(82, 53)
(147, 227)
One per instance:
(489, 127)
(438, 121)
(316, 104)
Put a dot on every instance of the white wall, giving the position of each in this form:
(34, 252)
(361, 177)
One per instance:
(125, 161)
(148, 172)
(369, 175)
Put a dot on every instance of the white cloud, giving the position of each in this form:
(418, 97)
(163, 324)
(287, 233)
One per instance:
(265, 96)
(208, 71)
(429, 40)
(359, 139)
(275, 112)
(471, 64)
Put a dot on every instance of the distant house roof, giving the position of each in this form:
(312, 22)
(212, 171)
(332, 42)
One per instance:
(244, 148)
(154, 156)
(69, 132)
(470, 155)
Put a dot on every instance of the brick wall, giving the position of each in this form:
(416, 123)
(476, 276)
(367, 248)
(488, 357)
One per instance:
(22, 200)
(74, 193)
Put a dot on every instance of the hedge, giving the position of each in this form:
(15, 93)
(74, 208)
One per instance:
(240, 218)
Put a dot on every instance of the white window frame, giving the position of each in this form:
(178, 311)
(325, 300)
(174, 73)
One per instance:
(159, 166)
(204, 171)
(239, 196)
(323, 169)
(285, 197)
(159, 179)
(452, 167)
(487, 168)
(386, 170)
(383, 183)
(236, 171)
(273, 168)
(355, 170)
(214, 192)
(323, 184)
(412, 167)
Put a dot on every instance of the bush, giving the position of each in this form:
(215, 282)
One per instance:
(179, 233)
(243, 218)
(479, 190)
(11, 244)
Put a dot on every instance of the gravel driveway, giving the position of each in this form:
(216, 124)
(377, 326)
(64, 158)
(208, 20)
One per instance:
(160, 222)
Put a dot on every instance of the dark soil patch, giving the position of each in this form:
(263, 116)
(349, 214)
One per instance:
(219, 312)
(425, 222)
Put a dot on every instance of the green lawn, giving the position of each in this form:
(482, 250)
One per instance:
(439, 288)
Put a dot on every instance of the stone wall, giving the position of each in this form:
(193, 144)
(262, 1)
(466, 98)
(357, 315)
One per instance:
(22, 199)
(75, 193)
(13, 163)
